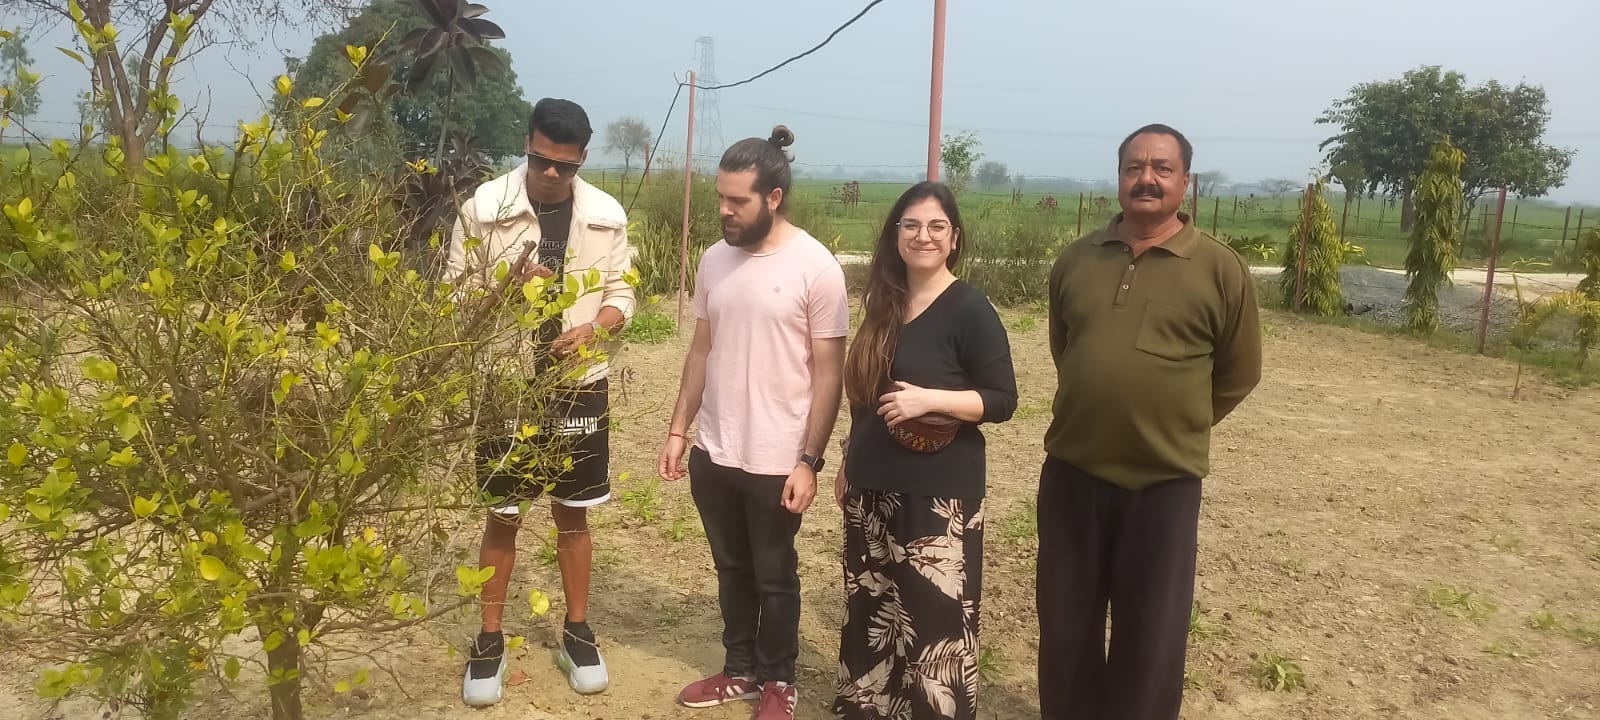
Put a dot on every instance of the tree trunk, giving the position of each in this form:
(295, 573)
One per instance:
(1408, 212)
(284, 661)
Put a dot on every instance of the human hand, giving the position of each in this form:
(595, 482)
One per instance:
(907, 402)
(800, 489)
(670, 465)
(569, 341)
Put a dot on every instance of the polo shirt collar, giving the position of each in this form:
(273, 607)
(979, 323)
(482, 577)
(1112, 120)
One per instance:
(1181, 244)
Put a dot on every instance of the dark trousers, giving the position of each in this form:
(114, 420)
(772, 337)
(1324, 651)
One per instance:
(758, 577)
(1135, 549)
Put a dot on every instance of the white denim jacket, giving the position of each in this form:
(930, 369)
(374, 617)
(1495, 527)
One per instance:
(503, 219)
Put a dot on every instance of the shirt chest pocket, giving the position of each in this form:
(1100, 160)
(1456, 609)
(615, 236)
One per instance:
(1173, 333)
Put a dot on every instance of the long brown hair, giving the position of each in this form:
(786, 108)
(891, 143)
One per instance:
(866, 366)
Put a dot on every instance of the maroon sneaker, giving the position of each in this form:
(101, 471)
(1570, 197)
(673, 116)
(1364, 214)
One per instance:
(717, 690)
(777, 702)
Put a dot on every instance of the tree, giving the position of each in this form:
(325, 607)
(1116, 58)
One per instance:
(1436, 238)
(959, 153)
(1210, 180)
(627, 137)
(1278, 186)
(992, 173)
(1389, 128)
(231, 416)
(1350, 176)
(489, 107)
(21, 96)
(1324, 253)
(133, 46)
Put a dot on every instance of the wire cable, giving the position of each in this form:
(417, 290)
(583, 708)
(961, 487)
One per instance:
(779, 66)
(639, 188)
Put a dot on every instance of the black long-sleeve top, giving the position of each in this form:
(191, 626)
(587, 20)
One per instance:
(957, 343)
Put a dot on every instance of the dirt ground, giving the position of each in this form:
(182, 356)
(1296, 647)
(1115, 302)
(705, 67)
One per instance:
(1380, 513)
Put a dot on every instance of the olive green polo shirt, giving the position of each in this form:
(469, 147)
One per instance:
(1150, 353)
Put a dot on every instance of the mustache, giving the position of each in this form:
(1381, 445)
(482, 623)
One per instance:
(1148, 190)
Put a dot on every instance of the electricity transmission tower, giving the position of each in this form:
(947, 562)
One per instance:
(708, 117)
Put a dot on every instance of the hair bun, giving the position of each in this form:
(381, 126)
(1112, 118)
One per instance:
(782, 136)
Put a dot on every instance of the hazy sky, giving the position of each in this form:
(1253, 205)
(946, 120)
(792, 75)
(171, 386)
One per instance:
(1050, 87)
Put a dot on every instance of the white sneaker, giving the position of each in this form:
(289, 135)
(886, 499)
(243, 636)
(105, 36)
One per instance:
(589, 678)
(486, 671)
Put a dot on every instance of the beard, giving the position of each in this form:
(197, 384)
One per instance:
(748, 235)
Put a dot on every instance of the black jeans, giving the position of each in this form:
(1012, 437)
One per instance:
(758, 577)
(1135, 549)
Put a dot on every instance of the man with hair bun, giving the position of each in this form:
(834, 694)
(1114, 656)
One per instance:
(762, 381)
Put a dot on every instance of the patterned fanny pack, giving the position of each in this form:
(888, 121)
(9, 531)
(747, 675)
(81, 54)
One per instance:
(927, 434)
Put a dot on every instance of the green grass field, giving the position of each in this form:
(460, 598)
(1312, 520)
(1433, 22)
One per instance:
(1372, 224)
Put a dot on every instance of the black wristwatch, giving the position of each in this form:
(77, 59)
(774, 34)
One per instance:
(815, 462)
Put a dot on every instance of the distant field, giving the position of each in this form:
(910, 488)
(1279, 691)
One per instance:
(1372, 224)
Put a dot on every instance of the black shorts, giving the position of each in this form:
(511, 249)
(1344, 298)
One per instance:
(579, 428)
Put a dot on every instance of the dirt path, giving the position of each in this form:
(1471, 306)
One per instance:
(1366, 474)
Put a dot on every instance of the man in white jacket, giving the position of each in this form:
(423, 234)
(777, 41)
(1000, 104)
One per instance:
(577, 230)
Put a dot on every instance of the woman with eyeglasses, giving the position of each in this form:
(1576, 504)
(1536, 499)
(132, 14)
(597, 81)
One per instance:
(929, 364)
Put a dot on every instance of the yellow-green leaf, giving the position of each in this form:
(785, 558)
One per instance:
(17, 454)
(287, 262)
(123, 458)
(312, 102)
(211, 568)
(274, 639)
(231, 668)
(71, 54)
(304, 636)
(144, 506)
(342, 686)
(538, 602)
(362, 676)
(128, 426)
(514, 642)
(284, 85)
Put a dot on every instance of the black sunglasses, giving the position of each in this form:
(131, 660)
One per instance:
(564, 168)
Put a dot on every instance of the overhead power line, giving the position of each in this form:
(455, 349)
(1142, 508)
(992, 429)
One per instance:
(779, 66)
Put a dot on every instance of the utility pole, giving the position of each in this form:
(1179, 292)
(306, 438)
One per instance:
(936, 91)
(688, 194)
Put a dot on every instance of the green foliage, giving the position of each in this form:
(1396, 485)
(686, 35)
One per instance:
(1588, 331)
(959, 154)
(1461, 602)
(228, 408)
(1276, 672)
(1009, 252)
(643, 501)
(1325, 255)
(1436, 237)
(655, 231)
(992, 173)
(1254, 249)
(651, 328)
(1389, 127)
(19, 86)
(491, 108)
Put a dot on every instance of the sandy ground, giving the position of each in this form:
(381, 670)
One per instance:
(1366, 475)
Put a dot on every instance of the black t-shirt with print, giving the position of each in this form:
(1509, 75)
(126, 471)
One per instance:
(555, 225)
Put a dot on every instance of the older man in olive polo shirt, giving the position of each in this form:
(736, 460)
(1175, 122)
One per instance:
(1154, 331)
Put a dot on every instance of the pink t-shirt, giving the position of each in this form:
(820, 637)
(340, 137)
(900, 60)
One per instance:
(764, 311)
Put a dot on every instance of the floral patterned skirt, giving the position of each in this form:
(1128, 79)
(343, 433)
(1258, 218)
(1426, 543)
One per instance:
(913, 569)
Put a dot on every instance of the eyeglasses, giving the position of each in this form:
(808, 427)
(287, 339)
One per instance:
(937, 229)
(564, 168)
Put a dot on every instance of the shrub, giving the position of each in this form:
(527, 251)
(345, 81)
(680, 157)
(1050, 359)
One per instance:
(1012, 266)
(228, 407)
(1321, 292)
